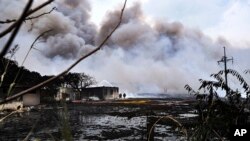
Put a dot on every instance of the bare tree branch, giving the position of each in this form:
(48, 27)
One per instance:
(28, 18)
(16, 29)
(70, 67)
(11, 27)
(32, 46)
(37, 16)
(247, 71)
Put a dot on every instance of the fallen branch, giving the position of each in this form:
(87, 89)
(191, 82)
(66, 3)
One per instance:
(70, 67)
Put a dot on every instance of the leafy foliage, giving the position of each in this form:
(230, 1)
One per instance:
(78, 81)
(217, 114)
(26, 77)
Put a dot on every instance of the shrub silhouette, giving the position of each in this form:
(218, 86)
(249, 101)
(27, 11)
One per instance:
(218, 114)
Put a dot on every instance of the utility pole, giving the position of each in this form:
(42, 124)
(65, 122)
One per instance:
(224, 60)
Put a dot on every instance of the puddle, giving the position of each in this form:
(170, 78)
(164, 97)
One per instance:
(188, 115)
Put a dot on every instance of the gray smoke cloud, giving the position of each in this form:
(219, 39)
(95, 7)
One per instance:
(152, 57)
(139, 57)
(112, 18)
(71, 28)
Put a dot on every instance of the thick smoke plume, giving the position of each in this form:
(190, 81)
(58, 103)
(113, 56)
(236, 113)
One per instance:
(70, 25)
(141, 56)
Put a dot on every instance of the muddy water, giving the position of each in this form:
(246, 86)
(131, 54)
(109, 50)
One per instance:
(91, 123)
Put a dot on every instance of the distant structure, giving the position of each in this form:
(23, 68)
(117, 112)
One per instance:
(30, 99)
(102, 91)
(165, 90)
(68, 94)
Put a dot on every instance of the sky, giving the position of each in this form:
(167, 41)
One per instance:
(159, 45)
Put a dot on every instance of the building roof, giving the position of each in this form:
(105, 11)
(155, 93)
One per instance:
(103, 83)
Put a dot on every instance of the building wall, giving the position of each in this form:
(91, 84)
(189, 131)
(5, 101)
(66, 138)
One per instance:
(31, 99)
(102, 93)
(67, 94)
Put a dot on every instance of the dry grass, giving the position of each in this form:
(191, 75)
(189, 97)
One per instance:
(139, 102)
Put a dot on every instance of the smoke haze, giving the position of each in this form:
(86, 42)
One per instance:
(141, 56)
